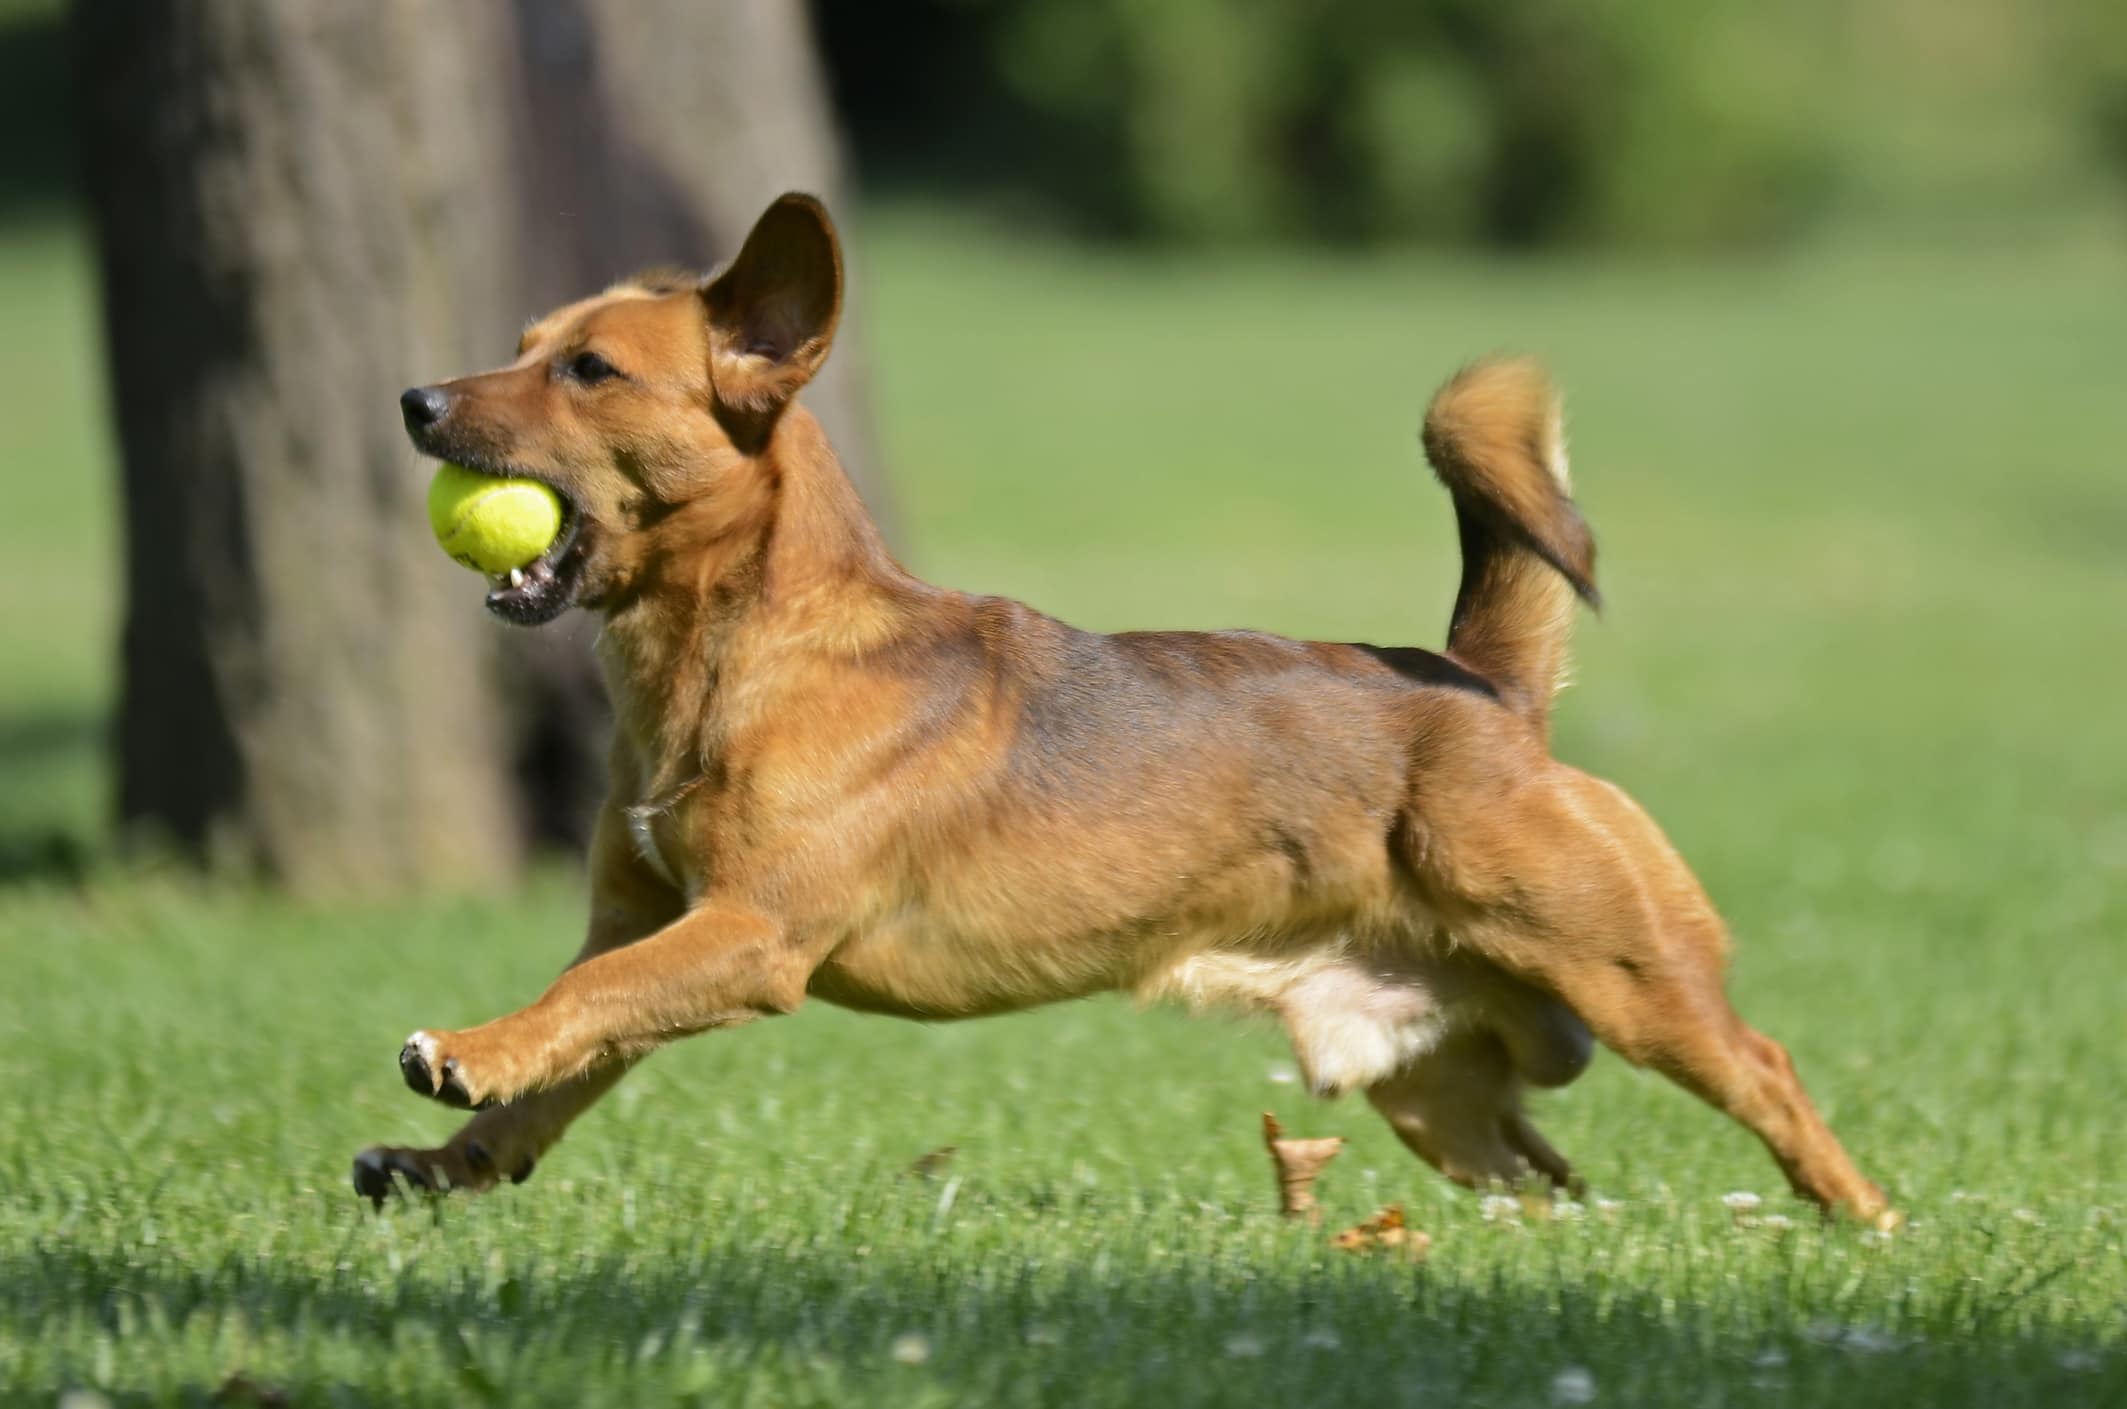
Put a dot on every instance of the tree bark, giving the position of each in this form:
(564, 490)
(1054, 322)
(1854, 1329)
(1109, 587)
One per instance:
(297, 209)
(303, 207)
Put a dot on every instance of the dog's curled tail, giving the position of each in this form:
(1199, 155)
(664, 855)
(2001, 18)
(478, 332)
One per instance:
(1494, 435)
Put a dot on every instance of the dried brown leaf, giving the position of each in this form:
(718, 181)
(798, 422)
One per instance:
(1298, 1164)
(1386, 1231)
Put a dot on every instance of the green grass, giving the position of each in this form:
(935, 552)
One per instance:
(1861, 521)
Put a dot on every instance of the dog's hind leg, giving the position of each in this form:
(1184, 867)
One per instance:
(1566, 883)
(1459, 1109)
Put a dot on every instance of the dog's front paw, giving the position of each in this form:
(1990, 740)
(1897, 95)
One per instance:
(384, 1171)
(433, 1067)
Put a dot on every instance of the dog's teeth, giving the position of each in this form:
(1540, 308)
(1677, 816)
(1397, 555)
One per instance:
(516, 577)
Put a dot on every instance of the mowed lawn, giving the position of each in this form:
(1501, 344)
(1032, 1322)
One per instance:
(1862, 522)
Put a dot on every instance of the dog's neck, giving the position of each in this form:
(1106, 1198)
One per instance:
(734, 597)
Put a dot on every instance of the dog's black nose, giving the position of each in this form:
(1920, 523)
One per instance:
(423, 406)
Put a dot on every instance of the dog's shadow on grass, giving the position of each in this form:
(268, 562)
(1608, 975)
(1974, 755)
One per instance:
(838, 1323)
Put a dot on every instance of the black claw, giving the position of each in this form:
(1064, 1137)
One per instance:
(452, 1091)
(379, 1180)
(415, 1069)
(523, 1171)
(372, 1182)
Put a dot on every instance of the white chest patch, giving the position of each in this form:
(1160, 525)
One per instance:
(642, 827)
(1352, 1023)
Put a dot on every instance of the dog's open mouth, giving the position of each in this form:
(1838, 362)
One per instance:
(545, 587)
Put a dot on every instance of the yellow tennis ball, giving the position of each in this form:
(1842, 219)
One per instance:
(489, 523)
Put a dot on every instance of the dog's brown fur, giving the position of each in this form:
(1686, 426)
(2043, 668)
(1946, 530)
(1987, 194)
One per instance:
(831, 779)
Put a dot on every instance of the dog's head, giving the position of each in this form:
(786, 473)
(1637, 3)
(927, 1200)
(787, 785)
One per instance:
(657, 396)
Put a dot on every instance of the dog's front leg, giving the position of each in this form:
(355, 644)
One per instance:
(715, 966)
(501, 1142)
(628, 904)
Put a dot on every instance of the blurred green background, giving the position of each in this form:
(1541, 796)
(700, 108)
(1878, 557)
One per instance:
(1652, 124)
(1156, 297)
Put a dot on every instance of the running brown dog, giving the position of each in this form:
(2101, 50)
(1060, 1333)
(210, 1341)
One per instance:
(832, 780)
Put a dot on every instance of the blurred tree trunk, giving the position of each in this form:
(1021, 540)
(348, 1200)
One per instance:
(302, 208)
(293, 200)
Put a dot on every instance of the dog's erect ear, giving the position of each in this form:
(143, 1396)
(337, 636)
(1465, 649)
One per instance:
(772, 311)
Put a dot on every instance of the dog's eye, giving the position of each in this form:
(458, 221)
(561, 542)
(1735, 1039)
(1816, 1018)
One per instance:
(590, 369)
